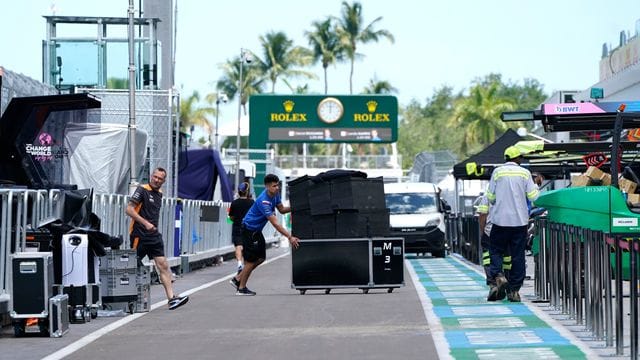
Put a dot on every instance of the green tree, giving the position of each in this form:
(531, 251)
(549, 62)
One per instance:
(424, 128)
(352, 31)
(194, 114)
(479, 115)
(325, 46)
(281, 59)
(252, 81)
(379, 87)
(117, 83)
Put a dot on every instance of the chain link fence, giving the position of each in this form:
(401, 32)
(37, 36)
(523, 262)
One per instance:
(157, 115)
(432, 166)
(17, 85)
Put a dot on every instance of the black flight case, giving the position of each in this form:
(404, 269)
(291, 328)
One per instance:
(364, 263)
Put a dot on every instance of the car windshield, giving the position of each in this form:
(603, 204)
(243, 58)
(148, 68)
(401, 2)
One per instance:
(416, 203)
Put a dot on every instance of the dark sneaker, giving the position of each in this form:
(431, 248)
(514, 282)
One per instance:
(177, 301)
(234, 282)
(501, 284)
(513, 296)
(245, 292)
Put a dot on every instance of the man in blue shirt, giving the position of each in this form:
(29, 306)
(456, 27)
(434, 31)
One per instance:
(253, 243)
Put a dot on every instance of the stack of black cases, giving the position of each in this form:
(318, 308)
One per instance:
(343, 224)
(338, 208)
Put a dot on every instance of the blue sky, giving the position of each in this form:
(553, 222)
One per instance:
(437, 42)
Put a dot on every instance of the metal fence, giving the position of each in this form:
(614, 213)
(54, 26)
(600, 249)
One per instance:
(580, 273)
(17, 85)
(432, 166)
(463, 236)
(195, 232)
(351, 161)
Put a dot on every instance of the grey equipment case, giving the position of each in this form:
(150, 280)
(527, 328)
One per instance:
(58, 315)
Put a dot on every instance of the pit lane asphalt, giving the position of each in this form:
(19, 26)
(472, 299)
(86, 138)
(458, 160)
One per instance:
(278, 323)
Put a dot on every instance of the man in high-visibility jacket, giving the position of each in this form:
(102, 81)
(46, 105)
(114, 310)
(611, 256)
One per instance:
(509, 188)
(483, 211)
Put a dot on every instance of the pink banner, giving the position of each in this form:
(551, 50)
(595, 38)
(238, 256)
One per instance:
(573, 108)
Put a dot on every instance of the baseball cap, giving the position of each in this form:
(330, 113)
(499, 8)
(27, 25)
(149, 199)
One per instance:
(243, 187)
(511, 152)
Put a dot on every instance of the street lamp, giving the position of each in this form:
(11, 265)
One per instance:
(245, 56)
(219, 97)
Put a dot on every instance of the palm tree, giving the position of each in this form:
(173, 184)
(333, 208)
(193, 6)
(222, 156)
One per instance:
(252, 81)
(352, 31)
(193, 115)
(379, 87)
(325, 46)
(281, 57)
(479, 113)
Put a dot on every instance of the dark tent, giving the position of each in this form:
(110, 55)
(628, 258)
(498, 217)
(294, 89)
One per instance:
(199, 171)
(487, 159)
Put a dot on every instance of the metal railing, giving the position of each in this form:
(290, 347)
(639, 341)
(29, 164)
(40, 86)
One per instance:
(580, 272)
(337, 161)
(463, 236)
(193, 230)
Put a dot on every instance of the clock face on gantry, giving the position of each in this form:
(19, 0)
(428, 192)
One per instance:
(330, 110)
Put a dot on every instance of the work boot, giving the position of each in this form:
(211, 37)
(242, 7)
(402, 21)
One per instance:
(501, 284)
(513, 296)
(493, 293)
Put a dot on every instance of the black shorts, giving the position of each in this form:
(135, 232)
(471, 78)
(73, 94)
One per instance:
(151, 246)
(236, 238)
(254, 246)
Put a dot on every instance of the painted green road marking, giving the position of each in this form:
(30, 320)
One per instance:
(473, 328)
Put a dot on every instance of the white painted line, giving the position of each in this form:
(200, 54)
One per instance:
(86, 340)
(435, 326)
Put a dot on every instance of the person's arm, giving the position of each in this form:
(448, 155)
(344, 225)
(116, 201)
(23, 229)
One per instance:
(230, 214)
(131, 211)
(283, 209)
(294, 241)
(482, 220)
(532, 189)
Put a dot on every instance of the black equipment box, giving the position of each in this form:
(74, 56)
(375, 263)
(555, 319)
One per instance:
(58, 315)
(31, 284)
(79, 298)
(40, 240)
(364, 263)
(387, 254)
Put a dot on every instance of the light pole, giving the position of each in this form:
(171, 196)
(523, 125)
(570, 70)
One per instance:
(219, 97)
(244, 56)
